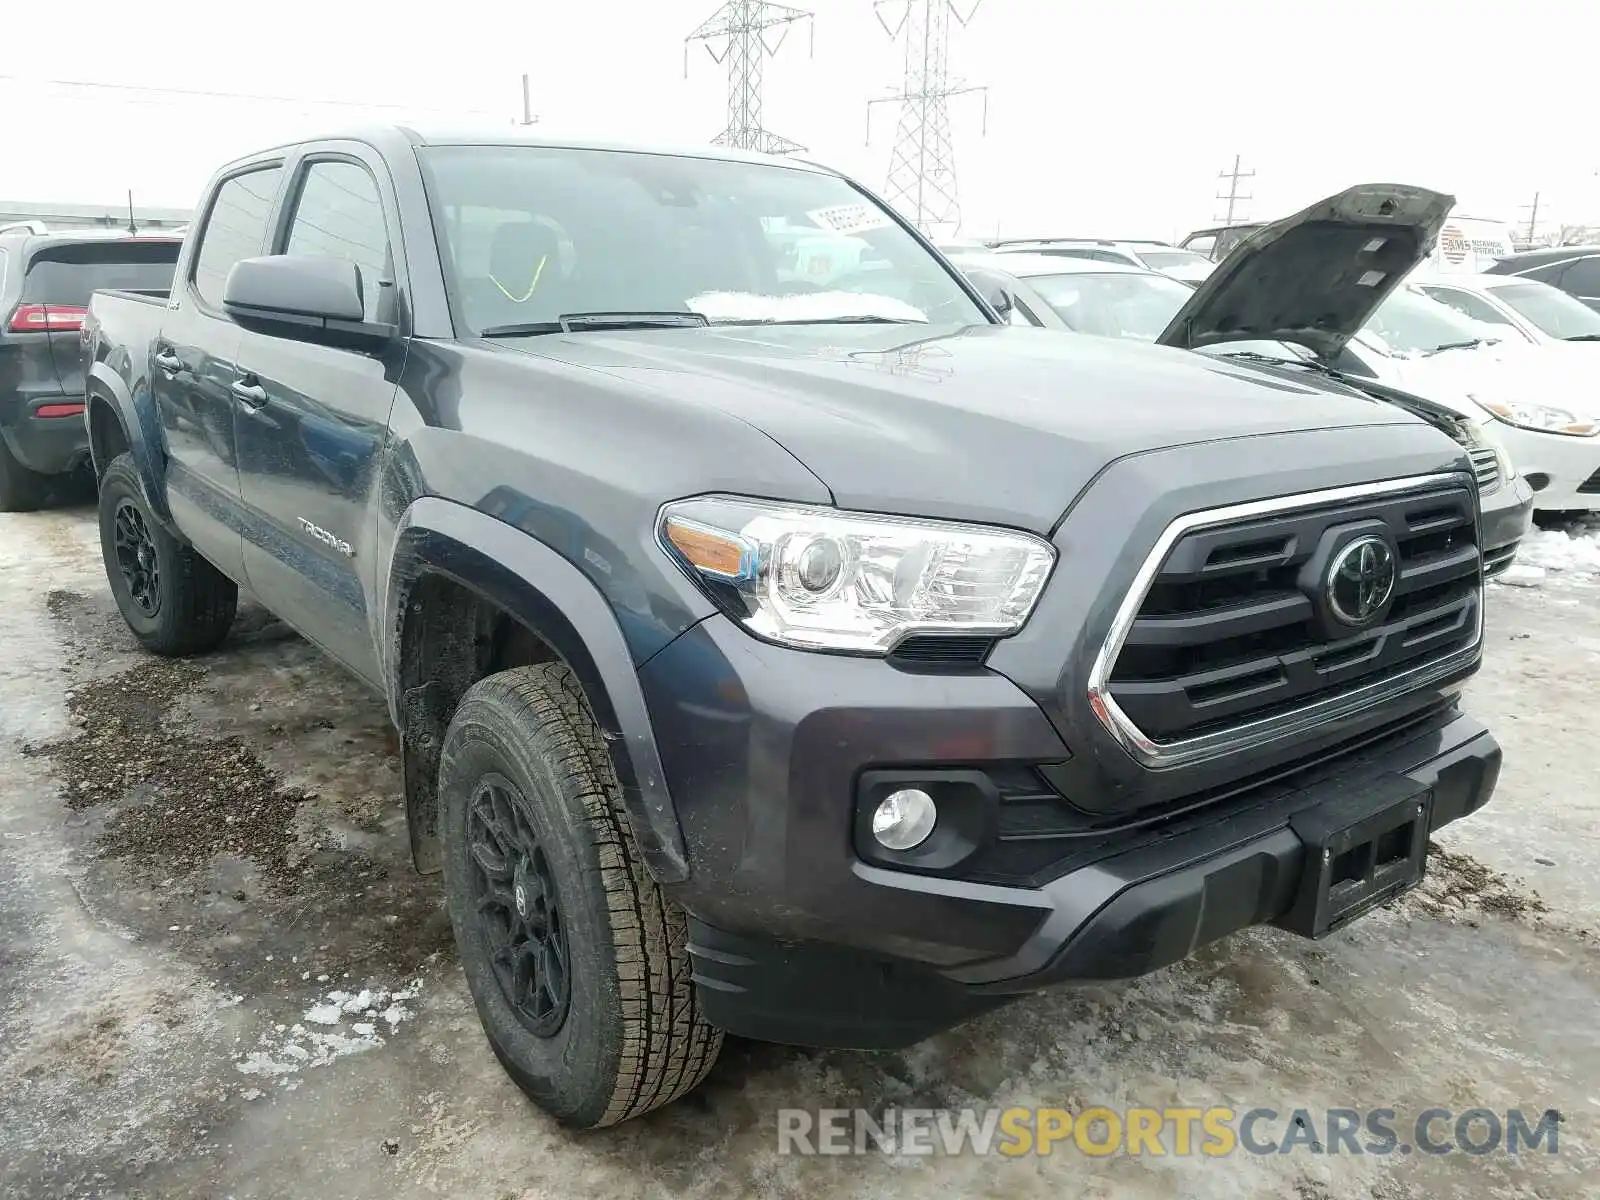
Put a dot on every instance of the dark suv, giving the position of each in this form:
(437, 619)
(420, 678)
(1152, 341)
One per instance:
(45, 284)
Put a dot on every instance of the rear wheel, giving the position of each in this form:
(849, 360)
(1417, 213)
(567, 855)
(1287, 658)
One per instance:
(21, 490)
(577, 963)
(175, 602)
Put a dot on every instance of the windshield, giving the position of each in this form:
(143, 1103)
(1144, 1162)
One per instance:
(532, 233)
(1551, 309)
(1410, 323)
(1126, 305)
(1165, 260)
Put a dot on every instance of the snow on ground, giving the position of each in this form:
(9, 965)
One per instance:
(1565, 555)
(337, 1024)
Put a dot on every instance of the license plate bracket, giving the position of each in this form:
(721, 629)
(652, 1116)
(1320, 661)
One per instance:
(1362, 849)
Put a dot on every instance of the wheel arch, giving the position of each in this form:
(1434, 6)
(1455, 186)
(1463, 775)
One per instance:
(116, 424)
(466, 596)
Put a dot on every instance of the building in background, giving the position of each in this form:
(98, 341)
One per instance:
(91, 216)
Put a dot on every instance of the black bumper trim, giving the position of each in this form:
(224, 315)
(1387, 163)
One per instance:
(1119, 918)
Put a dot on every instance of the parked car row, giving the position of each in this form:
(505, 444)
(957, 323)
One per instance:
(1511, 357)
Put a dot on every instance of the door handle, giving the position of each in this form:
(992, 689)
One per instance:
(169, 362)
(252, 395)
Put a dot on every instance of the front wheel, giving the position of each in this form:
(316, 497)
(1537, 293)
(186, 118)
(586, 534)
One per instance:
(175, 602)
(577, 963)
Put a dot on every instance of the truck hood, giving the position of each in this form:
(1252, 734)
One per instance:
(1314, 278)
(994, 423)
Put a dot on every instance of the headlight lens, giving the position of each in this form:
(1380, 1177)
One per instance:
(820, 579)
(1541, 417)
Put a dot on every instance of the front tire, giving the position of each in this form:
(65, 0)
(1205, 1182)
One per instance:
(175, 602)
(577, 963)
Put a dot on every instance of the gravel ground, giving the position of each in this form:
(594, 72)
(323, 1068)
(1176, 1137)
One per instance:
(219, 977)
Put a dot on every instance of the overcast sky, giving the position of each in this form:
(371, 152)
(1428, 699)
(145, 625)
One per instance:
(1105, 117)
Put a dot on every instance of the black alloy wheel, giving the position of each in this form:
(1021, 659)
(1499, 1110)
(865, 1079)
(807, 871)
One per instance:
(136, 557)
(518, 912)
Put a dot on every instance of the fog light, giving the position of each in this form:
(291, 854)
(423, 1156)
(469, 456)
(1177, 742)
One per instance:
(904, 819)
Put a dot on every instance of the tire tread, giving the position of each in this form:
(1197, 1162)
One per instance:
(199, 603)
(667, 1047)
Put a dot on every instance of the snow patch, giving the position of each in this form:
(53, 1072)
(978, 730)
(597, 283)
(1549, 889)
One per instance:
(809, 306)
(1573, 555)
(288, 1050)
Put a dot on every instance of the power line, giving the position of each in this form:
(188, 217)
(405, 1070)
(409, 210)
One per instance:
(740, 28)
(922, 166)
(1233, 197)
(199, 94)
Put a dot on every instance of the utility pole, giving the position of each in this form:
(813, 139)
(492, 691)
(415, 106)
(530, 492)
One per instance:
(527, 104)
(1533, 217)
(922, 167)
(736, 35)
(1233, 197)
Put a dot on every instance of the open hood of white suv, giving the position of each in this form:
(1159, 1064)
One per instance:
(1314, 279)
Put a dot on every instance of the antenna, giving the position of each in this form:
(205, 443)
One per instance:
(132, 228)
(922, 167)
(1233, 197)
(527, 104)
(737, 35)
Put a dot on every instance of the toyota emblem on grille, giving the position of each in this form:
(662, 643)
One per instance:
(1361, 580)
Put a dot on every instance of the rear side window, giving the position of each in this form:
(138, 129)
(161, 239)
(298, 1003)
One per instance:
(70, 274)
(1583, 279)
(1469, 305)
(236, 228)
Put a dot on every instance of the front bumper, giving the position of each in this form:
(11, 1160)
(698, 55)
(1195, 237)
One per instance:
(1505, 513)
(42, 442)
(797, 937)
(1556, 466)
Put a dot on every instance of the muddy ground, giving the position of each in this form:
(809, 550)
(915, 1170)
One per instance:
(219, 977)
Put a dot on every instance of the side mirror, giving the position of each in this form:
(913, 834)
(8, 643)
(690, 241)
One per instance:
(1001, 300)
(306, 297)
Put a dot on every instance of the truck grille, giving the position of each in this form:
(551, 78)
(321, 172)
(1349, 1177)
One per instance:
(1229, 637)
(1485, 468)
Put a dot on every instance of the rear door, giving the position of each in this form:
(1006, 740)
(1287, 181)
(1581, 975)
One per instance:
(195, 367)
(309, 443)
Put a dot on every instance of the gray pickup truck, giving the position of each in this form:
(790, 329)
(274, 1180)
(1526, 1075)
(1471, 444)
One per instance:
(804, 654)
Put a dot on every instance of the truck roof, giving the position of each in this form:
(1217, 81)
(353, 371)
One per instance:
(394, 138)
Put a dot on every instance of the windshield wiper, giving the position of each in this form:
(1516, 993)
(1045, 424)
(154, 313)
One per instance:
(1583, 337)
(1309, 364)
(1466, 345)
(579, 322)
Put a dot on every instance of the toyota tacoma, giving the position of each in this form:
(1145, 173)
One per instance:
(806, 655)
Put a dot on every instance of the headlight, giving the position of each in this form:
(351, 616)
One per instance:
(1541, 418)
(820, 579)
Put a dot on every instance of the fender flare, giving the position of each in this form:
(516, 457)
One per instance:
(139, 426)
(528, 579)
